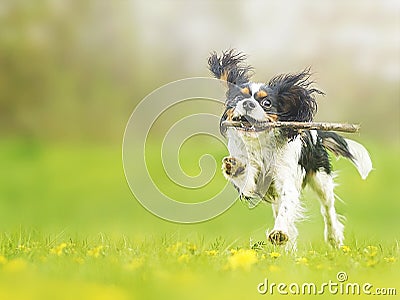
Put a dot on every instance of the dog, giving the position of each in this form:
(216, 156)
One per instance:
(274, 165)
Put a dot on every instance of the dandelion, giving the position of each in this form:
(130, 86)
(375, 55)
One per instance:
(243, 259)
(371, 251)
(24, 248)
(371, 263)
(346, 249)
(3, 260)
(95, 252)
(387, 259)
(274, 254)
(70, 249)
(58, 250)
(174, 248)
(192, 248)
(233, 251)
(211, 252)
(184, 258)
(302, 261)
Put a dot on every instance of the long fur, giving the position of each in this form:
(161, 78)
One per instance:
(297, 102)
(360, 158)
(230, 67)
(274, 165)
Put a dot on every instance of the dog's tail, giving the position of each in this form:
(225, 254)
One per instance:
(350, 149)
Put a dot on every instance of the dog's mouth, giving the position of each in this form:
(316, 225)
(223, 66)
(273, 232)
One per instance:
(245, 120)
(245, 123)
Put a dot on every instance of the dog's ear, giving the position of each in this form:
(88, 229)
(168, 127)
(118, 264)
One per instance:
(229, 67)
(296, 101)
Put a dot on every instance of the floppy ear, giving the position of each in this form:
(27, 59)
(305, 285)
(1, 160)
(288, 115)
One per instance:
(229, 67)
(296, 101)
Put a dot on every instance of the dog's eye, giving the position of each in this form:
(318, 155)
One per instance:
(266, 103)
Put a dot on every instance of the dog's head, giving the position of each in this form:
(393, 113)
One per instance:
(286, 97)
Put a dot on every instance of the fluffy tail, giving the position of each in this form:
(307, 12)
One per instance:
(361, 158)
(350, 149)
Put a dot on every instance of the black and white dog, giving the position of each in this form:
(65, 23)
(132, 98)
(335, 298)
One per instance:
(274, 165)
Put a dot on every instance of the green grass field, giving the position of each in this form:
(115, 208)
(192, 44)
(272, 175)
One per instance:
(70, 229)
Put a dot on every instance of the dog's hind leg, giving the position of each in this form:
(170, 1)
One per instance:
(323, 184)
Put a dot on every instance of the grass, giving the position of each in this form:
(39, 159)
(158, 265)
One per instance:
(70, 229)
(171, 268)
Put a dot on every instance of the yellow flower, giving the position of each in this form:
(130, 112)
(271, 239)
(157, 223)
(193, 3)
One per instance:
(242, 259)
(346, 249)
(3, 260)
(387, 259)
(371, 263)
(233, 251)
(58, 250)
(184, 258)
(302, 261)
(24, 248)
(192, 247)
(174, 248)
(274, 254)
(95, 252)
(211, 252)
(371, 251)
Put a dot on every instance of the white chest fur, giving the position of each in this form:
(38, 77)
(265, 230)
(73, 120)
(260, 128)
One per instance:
(264, 159)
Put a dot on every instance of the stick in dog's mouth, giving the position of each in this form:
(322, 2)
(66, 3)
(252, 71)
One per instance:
(260, 126)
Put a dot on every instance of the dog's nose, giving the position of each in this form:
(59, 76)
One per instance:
(249, 105)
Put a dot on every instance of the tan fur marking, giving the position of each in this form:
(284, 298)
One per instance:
(272, 118)
(229, 114)
(245, 91)
(224, 76)
(261, 94)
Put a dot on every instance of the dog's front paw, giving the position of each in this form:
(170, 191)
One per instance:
(232, 167)
(278, 237)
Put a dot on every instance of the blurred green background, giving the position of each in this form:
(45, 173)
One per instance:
(71, 73)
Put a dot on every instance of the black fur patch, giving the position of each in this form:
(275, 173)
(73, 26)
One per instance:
(295, 99)
(314, 156)
(295, 95)
(335, 143)
(230, 67)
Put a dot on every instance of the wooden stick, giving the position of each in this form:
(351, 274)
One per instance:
(343, 127)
